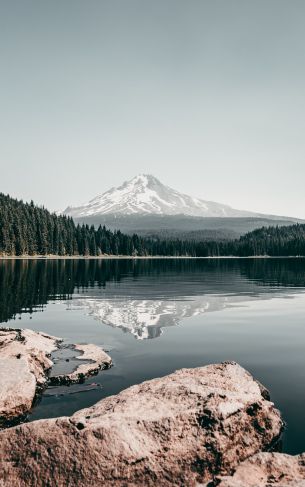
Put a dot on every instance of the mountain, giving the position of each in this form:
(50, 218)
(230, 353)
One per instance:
(146, 195)
(147, 207)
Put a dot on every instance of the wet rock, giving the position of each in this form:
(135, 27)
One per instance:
(268, 469)
(97, 358)
(179, 430)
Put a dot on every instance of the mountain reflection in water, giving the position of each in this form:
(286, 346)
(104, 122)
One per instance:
(143, 296)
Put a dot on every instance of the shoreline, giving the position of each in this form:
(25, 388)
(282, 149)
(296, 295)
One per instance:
(142, 257)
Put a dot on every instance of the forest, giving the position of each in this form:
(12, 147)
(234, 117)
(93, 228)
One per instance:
(26, 229)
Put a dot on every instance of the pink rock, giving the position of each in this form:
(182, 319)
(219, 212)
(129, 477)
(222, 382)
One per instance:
(24, 363)
(268, 469)
(182, 429)
(24, 366)
(98, 359)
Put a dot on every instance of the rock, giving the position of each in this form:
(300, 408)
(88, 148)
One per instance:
(266, 469)
(98, 360)
(180, 430)
(24, 363)
(24, 367)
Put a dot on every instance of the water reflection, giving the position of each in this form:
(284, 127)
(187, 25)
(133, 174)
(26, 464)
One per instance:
(143, 296)
(263, 334)
(146, 318)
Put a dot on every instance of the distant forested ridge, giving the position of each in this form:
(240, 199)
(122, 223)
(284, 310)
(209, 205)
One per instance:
(26, 229)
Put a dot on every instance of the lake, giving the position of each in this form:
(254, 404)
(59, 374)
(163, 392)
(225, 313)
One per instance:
(156, 316)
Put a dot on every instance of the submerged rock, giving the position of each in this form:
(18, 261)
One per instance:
(25, 363)
(71, 389)
(182, 430)
(266, 469)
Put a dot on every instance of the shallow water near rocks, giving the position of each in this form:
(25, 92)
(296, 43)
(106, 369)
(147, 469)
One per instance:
(156, 316)
(65, 361)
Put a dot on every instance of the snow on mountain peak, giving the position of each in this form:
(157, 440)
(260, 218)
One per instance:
(146, 195)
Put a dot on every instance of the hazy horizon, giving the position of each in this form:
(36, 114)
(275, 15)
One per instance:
(206, 96)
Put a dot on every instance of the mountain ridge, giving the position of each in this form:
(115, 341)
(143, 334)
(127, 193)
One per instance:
(146, 195)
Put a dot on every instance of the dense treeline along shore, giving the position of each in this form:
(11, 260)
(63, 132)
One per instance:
(26, 229)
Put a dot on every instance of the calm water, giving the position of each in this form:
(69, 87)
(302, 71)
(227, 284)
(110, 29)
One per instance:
(156, 316)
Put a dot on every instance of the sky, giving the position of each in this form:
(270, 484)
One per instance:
(206, 95)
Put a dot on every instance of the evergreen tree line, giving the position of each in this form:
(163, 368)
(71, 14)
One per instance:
(26, 229)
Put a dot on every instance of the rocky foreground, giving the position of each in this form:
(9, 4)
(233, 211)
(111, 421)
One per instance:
(210, 426)
(25, 363)
(184, 429)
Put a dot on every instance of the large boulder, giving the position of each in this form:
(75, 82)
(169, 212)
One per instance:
(266, 469)
(179, 430)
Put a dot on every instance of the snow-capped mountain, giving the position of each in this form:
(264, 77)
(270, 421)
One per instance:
(146, 195)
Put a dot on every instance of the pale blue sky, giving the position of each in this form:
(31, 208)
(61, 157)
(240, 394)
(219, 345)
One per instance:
(207, 95)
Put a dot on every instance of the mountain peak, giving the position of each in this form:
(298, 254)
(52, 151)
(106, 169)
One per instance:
(146, 195)
(144, 179)
(141, 178)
